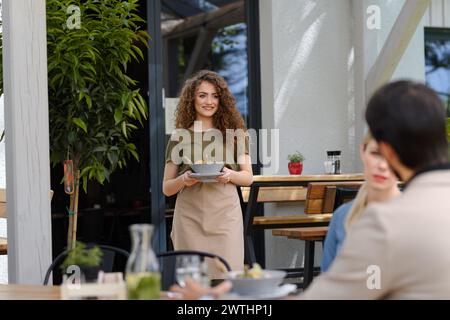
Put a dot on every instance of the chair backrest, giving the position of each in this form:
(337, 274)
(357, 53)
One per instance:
(321, 197)
(344, 195)
(108, 260)
(167, 264)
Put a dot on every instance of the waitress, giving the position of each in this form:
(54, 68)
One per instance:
(208, 216)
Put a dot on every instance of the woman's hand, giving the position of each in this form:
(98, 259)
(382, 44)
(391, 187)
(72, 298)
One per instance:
(188, 180)
(226, 176)
(193, 290)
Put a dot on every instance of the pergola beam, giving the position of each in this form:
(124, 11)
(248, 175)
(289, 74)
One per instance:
(201, 49)
(396, 44)
(222, 17)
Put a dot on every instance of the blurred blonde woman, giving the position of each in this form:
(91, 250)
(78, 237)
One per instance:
(381, 185)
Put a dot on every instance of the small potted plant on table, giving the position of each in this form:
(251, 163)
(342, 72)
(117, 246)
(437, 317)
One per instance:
(295, 164)
(87, 259)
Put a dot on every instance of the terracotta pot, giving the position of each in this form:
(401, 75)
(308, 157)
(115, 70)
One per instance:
(295, 167)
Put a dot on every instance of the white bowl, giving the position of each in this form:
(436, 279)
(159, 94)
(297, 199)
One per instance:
(207, 168)
(268, 283)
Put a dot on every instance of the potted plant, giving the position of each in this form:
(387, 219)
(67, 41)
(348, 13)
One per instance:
(295, 164)
(93, 104)
(87, 259)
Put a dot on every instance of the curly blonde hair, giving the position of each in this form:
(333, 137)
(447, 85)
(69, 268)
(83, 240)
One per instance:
(226, 117)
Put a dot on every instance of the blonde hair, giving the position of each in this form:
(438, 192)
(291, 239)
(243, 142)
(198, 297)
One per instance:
(360, 201)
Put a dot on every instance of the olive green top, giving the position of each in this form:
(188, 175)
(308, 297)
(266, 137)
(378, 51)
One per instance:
(201, 147)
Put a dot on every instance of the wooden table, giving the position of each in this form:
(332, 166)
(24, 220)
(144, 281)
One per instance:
(282, 181)
(28, 292)
(39, 292)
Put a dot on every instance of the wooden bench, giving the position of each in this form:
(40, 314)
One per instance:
(3, 246)
(320, 201)
(2, 203)
(279, 189)
(316, 233)
(4, 241)
(283, 194)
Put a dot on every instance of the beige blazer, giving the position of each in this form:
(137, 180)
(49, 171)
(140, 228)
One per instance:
(397, 250)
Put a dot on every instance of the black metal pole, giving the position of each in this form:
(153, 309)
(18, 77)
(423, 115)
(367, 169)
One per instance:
(157, 128)
(254, 67)
(254, 103)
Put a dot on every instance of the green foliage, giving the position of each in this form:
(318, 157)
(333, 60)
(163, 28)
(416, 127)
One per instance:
(81, 256)
(224, 38)
(296, 157)
(94, 106)
(448, 129)
(448, 134)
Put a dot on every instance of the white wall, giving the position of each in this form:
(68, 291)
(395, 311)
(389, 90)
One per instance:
(438, 14)
(314, 59)
(308, 76)
(307, 92)
(368, 44)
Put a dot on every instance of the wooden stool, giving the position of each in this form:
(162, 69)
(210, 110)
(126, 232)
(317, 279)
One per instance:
(310, 236)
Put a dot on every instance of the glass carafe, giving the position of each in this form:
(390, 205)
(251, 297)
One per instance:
(142, 272)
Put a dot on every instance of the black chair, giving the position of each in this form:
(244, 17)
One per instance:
(167, 264)
(343, 195)
(108, 260)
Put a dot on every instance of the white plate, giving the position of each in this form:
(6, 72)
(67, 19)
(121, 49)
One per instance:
(206, 177)
(280, 292)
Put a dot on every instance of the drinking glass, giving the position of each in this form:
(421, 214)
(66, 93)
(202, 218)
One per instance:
(187, 266)
(328, 164)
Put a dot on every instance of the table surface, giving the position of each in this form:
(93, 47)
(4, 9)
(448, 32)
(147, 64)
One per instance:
(29, 292)
(39, 292)
(310, 178)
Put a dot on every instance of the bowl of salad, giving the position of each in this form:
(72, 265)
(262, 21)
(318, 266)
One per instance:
(255, 280)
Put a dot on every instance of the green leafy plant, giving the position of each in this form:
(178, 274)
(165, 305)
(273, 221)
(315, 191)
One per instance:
(448, 129)
(94, 106)
(81, 256)
(296, 157)
(448, 134)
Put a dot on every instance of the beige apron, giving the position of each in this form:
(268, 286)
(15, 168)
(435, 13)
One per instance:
(208, 217)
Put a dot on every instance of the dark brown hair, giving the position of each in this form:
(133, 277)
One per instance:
(227, 115)
(411, 118)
